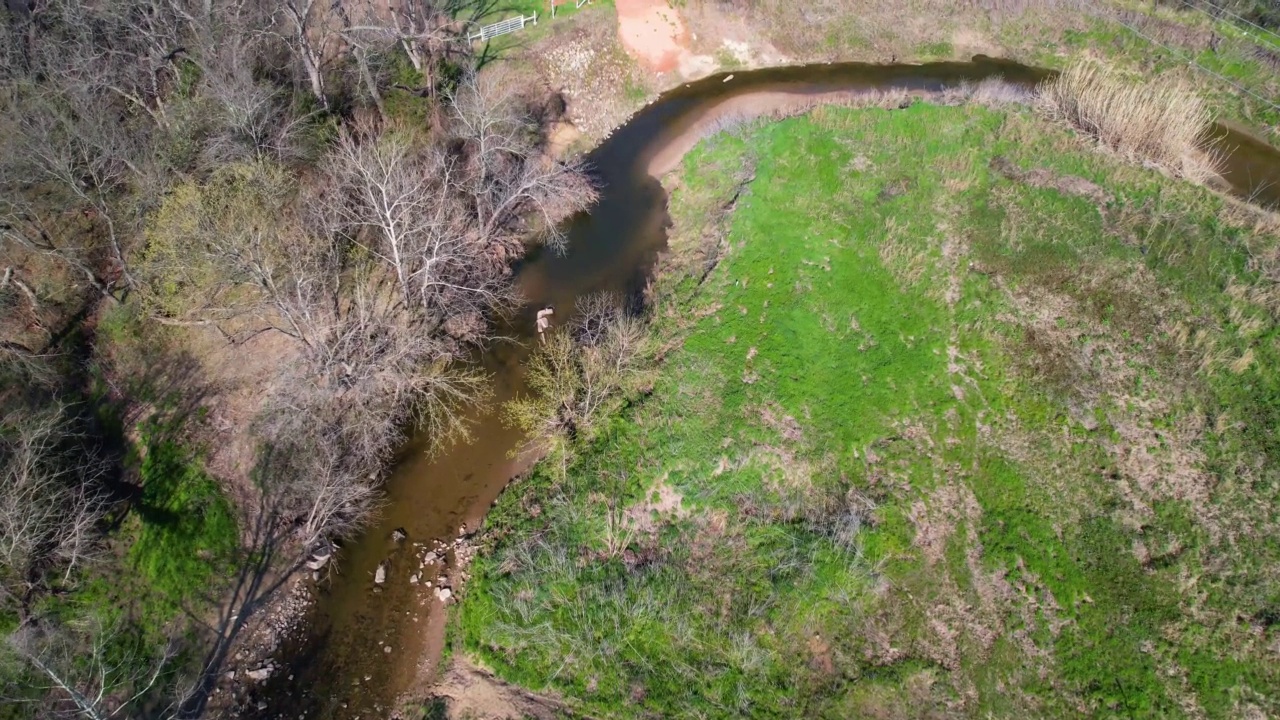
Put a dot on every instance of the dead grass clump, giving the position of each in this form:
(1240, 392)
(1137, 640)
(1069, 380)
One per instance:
(1162, 122)
(1266, 56)
(1196, 38)
(1045, 178)
(1022, 6)
(991, 92)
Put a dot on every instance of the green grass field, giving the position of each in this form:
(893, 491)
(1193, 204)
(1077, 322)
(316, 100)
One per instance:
(929, 440)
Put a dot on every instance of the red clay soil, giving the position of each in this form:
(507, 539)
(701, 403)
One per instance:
(653, 32)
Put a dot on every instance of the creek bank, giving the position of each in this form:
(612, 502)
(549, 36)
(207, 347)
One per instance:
(611, 248)
(755, 396)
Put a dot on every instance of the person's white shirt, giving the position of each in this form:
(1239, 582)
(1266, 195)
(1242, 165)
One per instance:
(543, 321)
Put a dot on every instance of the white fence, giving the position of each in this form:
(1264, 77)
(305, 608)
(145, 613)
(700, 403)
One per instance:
(577, 4)
(509, 25)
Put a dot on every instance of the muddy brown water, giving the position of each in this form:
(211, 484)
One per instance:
(340, 666)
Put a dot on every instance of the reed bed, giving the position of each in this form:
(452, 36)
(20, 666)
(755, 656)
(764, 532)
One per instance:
(1162, 122)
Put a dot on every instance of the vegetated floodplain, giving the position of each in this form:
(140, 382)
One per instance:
(958, 416)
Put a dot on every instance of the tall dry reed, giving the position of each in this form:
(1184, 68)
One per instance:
(1161, 121)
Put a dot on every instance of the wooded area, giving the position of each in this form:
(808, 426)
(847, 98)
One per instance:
(337, 176)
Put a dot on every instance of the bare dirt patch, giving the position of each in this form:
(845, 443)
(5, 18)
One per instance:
(471, 691)
(661, 502)
(653, 32)
(1047, 179)
(585, 64)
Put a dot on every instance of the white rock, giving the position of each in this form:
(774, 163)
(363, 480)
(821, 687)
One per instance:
(443, 594)
(260, 674)
(380, 575)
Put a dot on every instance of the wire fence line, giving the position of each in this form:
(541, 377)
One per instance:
(1224, 11)
(1193, 63)
(1197, 7)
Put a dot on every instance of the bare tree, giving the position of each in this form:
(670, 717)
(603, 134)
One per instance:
(99, 103)
(87, 671)
(508, 179)
(317, 483)
(23, 226)
(65, 145)
(403, 209)
(303, 26)
(323, 452)
(23, 327)
(50, 500)
(253, 118)
(428, 32)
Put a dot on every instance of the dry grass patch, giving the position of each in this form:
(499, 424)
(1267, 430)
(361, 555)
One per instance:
(1162, 122)
(879, 31)
(661, 503)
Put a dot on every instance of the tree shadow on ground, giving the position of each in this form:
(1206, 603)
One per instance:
(263, 572)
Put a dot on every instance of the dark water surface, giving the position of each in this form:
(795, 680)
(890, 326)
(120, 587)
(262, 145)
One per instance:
(610, 248)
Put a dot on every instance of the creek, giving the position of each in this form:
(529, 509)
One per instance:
(364, 644)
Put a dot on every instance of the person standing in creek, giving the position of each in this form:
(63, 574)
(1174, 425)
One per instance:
(544, 321)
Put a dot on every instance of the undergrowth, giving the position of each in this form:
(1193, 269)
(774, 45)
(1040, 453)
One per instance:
(186, 533)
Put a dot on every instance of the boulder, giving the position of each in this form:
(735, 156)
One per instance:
(380, 575)
(320, 555)
(399, 535)
(260, 674)
(443, 594)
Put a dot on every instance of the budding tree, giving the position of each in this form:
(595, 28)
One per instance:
(211, 247)
(579, 371)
